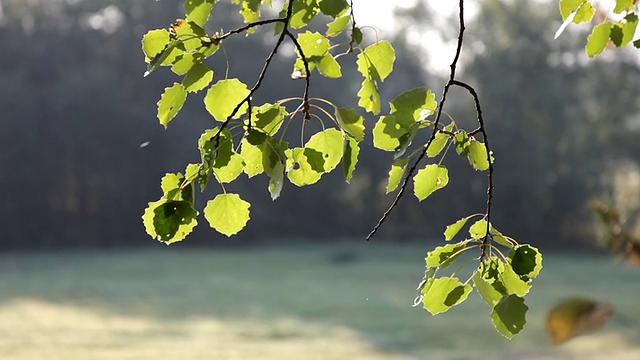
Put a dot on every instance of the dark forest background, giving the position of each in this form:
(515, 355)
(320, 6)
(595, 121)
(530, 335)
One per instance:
(75, 109)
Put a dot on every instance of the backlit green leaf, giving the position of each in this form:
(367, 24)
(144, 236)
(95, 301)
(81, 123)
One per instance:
(623, 5)
(252, 155)
(584, 13)
(273, 161)
(333, 8)
(224, 97)
(526, 261)
(227, 213)
(268, 117)
(512, 283)
(445, 255)
(477, 155)
(170, 103)
(413, 105)
(154, 42)
(486, 289)
(430, 179)
(369, 97)
(350, 159)
(598, 39)
(508, 315)
(198, 78)
(313, 44)
(568, 6)
(479, 229)
(387, 133)
(438, 144)
(443, 293)
(303, 12)
(453, 229)
(329, 67)
(307, 166)
(173, 220)
(461, 142)
(198, 11)
(351, 122)
(376, 61)
(337, 26)
(330, 144)
(396, 174)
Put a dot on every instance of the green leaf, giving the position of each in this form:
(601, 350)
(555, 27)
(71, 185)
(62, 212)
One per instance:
(526, 261)
(584, 13)
(268, 117)
(228, 165)
(350, 159)
(252, 155)
(369, 97)
(337, 26)
(227, 213)
(189, 34)
(623, 5)
(413, 105)
(499, 238)
(387, 133)
(512, 283)
(508, 315)
(198, 78)
(250, 11)
(224, 96)
(208, 144)
(461, 142)
(174, 187)
(333, 8)
(568, 6)
(356, 35)
(430, 179)
(396, 174)
(329, 67)
(443, 293)
(186, 62)
(453, 229)
(438, 144)
(477, 155)
(487, 289)
(376, 61)
(307, 166)
(172, 220)
(154, 41)
(405, 141)
(313, 44)
(629, 29)
(636, 44)
(445, 255)
(351, 122)
(170, 103)
(598, 39)
(273, 161)
(479, 229)
(198, 11)
(330, 144)
(302, 13)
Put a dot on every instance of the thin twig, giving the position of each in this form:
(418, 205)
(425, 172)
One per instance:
(445, 91)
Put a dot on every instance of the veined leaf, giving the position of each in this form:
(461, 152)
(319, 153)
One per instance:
(598, 39)
(369, 97)
(198, 78)
(170, 103)
(376, 61)
(224, 96)
(330, 144)
(444, 293)
(337, 26)
(508, 315)
(453, 229)
(351, 122)
(307, 166)
(334, 8)
(445, 255)
(198, 11)
(350, 159)
(227, 213)
(396, 174)
(430, 179)
(526, 261)
(268, 117)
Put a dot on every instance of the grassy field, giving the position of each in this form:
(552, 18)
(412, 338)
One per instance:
(284, 303)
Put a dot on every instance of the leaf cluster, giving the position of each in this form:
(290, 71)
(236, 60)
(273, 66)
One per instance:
(607, 32)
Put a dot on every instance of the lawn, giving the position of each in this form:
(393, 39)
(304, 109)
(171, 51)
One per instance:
(296, 302)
